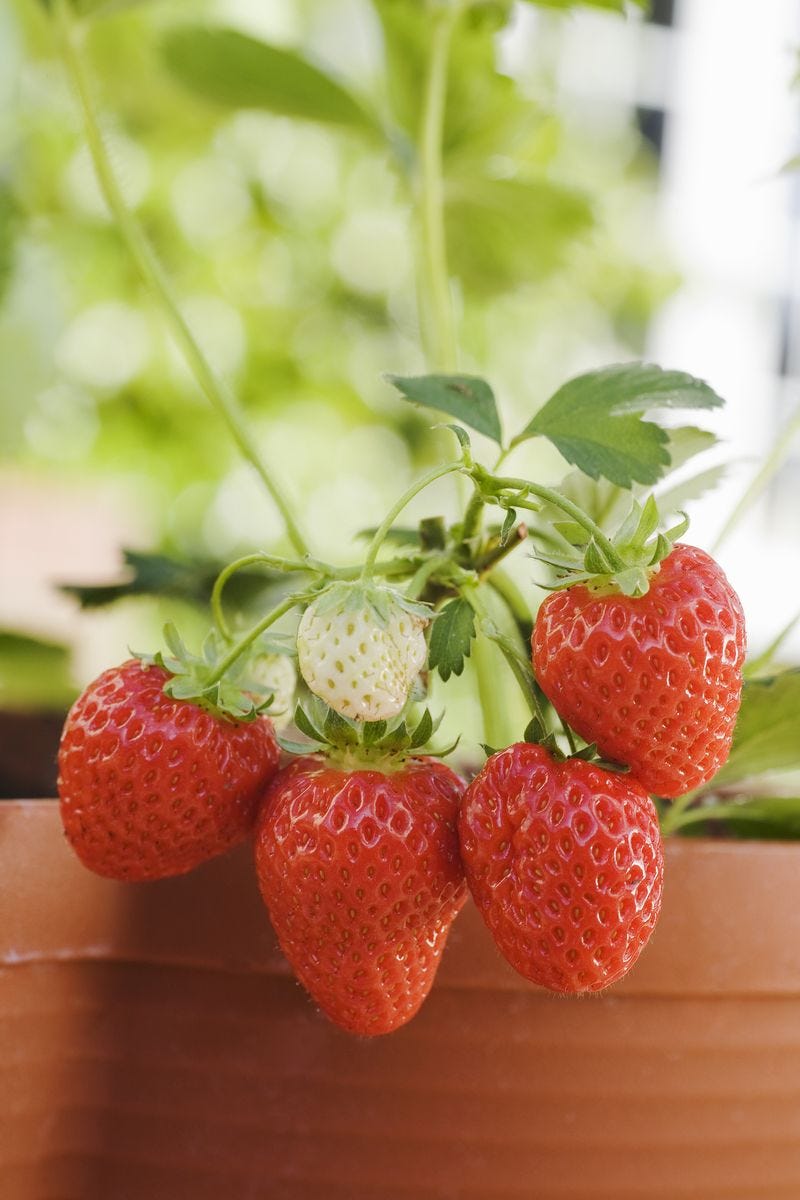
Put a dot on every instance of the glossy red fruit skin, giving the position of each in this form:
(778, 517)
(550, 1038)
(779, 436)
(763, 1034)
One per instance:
(361, 875)
(565, 863)
(655, 681)
(152, 787)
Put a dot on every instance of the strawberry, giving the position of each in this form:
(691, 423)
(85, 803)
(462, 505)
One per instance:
(360, 649)
(361, 875)
(275, 674)
(564, 861)
(654, 680)
(151, 786)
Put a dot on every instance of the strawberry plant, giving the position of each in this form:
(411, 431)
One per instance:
(631, 670)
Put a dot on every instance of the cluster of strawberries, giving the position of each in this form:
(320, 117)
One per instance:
(364, 858)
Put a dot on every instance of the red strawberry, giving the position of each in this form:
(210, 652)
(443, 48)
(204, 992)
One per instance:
(654, 680)
(564, 861)
(152, 786)
(361, 874)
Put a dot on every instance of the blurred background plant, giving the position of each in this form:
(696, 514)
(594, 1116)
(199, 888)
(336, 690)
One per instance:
(275, 155)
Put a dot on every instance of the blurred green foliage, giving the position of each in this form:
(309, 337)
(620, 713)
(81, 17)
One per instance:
(270, 154)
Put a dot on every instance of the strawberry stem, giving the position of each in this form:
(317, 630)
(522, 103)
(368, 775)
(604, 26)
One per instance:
(154, 275)
(246, 642)
(520, 667)
(369, 567)
(437, 321)
(274, 562)
(520, 487)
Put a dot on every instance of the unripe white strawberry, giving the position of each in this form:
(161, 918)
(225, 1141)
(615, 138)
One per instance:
(276, 673)
(360, 649)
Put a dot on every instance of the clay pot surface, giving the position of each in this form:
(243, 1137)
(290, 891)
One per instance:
(153, 1044)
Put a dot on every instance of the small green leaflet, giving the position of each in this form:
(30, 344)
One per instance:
(595, 420)
(466, 397)
(228, 67)
(767, 736)
(451, 637)
(686, 441)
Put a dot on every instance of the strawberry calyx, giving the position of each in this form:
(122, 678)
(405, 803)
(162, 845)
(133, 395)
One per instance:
(236, 696)
(378, 744)
(537, 734)
(345, 596)
(625, 562)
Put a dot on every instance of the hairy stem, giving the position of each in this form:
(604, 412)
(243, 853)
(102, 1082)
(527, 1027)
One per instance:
(506, 587)
(271, 561)
(397, 508)
(437, 318)
(519, 665)
(247, 640)
(156, 279)
(572, 510)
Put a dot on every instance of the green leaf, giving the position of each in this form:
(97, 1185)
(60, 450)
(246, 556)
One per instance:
(484, 111)
(763, 817)
(338, 730)
(103, 8)
(686, 441)
(619, 6)
(306, 726)
(34, 674)
(373, 731)
(595, 420)
(466, 397)
(151, 574)
(451, 637)
(502, 233)
(767, 736)
(230, 68)
(398, 535)
(674, 499)
(98, 8)
(423, 732)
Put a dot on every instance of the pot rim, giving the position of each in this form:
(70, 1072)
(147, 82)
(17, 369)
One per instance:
(730, 923)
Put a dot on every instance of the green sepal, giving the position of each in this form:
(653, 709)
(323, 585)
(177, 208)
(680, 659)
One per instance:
(346, 596)
(637, 547)
(536, 734)
(235, 696)
(509, 521)
(367, 741)
(305, 725)
(299, 749)
(338, 730)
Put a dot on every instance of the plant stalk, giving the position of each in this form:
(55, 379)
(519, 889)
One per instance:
(567, 506)
(394, 512)
(246, 642)
(156, 278)
(437, 319)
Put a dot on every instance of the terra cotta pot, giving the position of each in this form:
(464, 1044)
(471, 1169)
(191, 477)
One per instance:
(154, 1046)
